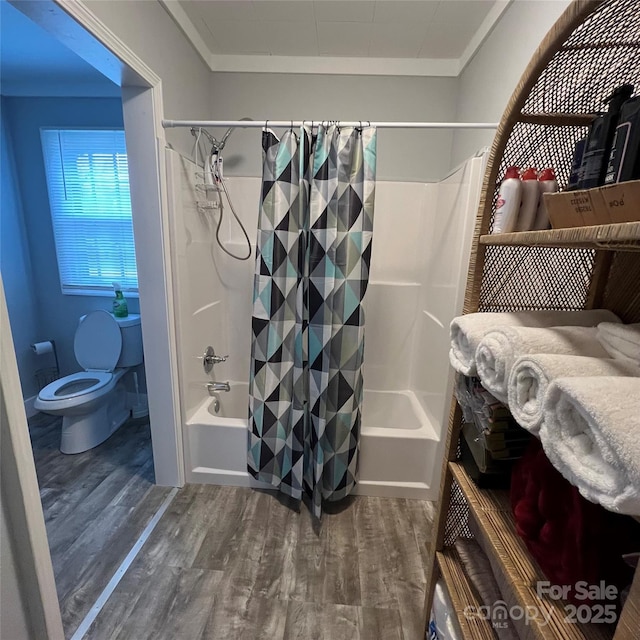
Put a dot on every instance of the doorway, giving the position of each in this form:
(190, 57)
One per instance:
(142, 113)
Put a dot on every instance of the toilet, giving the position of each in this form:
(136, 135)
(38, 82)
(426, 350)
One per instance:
(93, 403)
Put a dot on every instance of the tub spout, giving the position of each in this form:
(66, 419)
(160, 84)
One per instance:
(213, 387)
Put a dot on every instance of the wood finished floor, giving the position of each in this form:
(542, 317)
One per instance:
(95, 504)
(229, 563)
(223, 563)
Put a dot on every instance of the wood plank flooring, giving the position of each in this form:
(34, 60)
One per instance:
(228, 563)
(223, 563)
(95, 504)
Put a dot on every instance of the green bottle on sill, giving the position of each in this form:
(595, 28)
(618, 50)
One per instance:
(120, 309)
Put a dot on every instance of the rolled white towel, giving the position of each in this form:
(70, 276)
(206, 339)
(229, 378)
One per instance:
(620, 340)
(591, 434)
(467, 331)
(499, 349)
(532, 374)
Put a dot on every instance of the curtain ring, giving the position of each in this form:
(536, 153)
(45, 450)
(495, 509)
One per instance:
(266, 125)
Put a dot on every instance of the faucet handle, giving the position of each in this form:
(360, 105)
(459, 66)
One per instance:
(210, 358)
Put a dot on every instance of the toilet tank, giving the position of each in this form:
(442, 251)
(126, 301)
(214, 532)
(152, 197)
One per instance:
(131, 329)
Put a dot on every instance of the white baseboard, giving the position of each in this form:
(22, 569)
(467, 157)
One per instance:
(29, 408)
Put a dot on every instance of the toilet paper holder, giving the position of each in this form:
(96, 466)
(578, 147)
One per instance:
(46, 375)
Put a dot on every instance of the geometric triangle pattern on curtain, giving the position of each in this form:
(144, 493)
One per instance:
(312, 267)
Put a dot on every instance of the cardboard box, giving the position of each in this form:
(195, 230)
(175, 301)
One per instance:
(602, 205)
(574, 209)
(621, 201)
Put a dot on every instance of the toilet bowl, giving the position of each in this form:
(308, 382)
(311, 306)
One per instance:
(93, 402)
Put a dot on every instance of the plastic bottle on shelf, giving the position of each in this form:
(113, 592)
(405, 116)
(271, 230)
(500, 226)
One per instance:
(120, 307)
(547, 183)
(208, 171)
(624, 160)
(530, 198)
(508, 205)
(600, 140)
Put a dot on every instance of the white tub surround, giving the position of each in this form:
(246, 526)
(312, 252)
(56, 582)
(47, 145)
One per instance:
(422, 234)
(397, 443)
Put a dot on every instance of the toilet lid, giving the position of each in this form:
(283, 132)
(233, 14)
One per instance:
(75, 385)
(98, 342)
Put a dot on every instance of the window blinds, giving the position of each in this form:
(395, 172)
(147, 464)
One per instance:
(88, 183)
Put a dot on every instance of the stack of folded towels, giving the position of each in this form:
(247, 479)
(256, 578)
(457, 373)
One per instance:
(591, 434)
(468, 331)
(620, 340)
(573, 380)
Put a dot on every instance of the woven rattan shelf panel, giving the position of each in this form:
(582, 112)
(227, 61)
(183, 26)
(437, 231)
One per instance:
(517, 278)
(624, 236)
(593, 48)
(590, 51)
(462, 596)
(493, 514)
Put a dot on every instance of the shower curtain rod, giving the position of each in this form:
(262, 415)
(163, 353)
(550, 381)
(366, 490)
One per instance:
(351, 123)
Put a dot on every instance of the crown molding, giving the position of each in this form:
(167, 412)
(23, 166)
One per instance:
(180, 17)
(328, 65)
(483, 32)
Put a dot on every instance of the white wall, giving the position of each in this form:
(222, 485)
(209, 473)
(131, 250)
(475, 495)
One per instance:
(214, 292)
(403, 216)
(445, 259)
(402, 154)
(150, 33)
(488, 81)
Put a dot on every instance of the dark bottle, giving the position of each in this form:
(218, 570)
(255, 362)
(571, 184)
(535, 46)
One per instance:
(624, 161)
(576, 164)
(600, 140)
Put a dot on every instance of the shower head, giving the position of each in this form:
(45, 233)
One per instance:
(219, 146)
(216, 145)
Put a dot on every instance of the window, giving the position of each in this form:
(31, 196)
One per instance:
(88, 182)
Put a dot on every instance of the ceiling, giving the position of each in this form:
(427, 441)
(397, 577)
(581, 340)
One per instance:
(405, 37)
(34, 63)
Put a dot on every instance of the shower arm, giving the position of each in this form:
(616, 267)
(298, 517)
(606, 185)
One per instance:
(216, 146)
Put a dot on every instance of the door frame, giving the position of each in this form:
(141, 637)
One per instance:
(75, 25)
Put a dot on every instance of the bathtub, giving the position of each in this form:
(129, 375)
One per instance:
(398, 444)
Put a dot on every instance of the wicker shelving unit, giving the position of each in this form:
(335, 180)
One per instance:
(623, 236)
(594, 47)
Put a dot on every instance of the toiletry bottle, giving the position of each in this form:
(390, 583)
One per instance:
(120, 309)
(208, 171)
(529, 204)
(576, 164)
(547, 183)
(600, 139)
(508, 204)
(624, 161)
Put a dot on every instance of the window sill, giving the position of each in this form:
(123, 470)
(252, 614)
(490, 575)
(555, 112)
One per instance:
(98, 293)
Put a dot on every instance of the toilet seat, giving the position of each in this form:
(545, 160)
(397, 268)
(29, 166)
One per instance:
(79, 385)
(102, 354)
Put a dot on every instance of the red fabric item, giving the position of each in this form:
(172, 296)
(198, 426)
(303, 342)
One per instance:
(571, 538)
